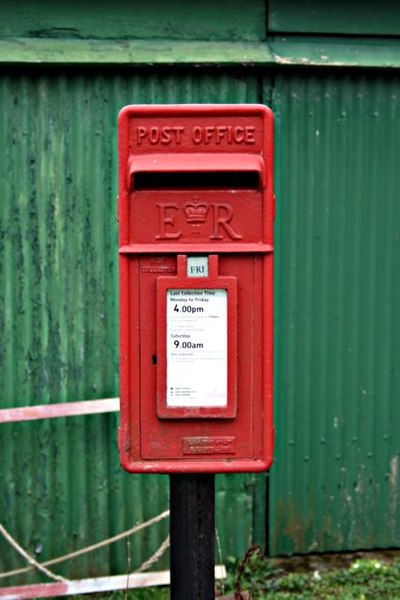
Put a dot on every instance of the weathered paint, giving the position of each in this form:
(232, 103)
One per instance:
(60, 478)
(280, 51)
(124, 19)
(335, 484)
(335, 52)
(341, 17)
(242, 32)
(62, 485)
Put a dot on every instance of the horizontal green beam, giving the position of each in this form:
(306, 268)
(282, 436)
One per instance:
(126, 52)
(284, 51)
(337, 52)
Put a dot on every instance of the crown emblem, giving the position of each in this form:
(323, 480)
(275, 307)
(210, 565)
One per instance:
(196, 211)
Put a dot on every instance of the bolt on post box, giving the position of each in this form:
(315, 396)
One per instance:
(196, 215)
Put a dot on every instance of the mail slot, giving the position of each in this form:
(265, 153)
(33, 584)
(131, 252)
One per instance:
(196, 214)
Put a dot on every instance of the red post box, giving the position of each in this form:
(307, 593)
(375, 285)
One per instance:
(196, 211)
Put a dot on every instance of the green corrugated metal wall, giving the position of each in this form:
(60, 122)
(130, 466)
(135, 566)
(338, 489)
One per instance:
(335, 483)
(62, 486)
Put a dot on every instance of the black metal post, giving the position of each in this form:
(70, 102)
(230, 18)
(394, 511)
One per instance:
(192, 529)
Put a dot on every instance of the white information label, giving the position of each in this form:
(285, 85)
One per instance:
(197, 354)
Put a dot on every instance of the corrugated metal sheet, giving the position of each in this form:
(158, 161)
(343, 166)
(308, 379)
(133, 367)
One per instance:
(61, 484)
(335, 484)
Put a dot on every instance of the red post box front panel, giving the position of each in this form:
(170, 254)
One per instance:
(196, 210)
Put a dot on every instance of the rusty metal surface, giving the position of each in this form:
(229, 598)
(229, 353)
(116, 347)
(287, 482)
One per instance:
(335, 482)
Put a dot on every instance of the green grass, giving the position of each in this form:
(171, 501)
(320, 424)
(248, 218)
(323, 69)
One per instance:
(363, 579)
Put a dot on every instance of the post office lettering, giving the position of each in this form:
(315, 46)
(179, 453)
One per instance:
(223, 134)
(159, 135)
(207, 135)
